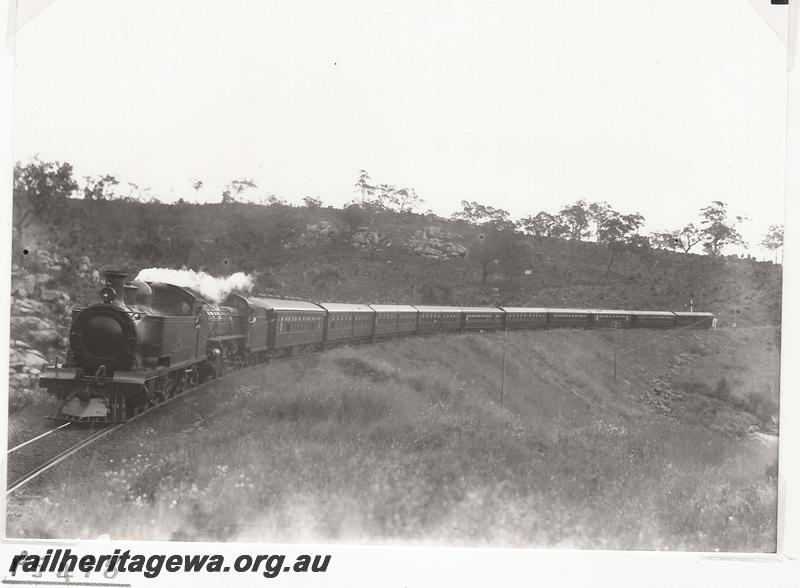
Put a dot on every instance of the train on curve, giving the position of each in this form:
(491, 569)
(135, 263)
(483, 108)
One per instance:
(147, 341)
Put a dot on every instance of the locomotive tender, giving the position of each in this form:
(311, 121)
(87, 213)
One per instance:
(147, 341)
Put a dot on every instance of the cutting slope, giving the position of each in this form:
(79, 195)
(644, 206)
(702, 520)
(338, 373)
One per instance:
(407, 441)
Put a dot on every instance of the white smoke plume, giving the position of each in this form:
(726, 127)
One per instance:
(212, 288)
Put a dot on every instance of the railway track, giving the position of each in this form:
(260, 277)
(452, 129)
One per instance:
(37, 438)
(58, 458)
(106, 430)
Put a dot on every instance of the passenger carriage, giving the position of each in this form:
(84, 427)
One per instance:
(434, 319)
(576, 318)
(518, 317)
(653, 319)
(482, 318)
(620, 319)
(290, 323)
(348, 321)
(394, 319)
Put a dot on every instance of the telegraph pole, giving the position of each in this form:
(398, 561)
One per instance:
(614, 326)
(503, 375)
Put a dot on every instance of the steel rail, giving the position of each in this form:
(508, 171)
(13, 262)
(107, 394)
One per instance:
(42, 436)
(57, 459)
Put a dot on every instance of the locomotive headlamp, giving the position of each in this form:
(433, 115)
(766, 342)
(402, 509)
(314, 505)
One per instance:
(108, 294)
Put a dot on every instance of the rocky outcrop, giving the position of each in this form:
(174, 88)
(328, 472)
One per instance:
(40, 312)
(364, 238)
(435, 243)
(317, 234)
(24, 365)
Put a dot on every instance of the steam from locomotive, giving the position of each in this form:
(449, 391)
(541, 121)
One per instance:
(212, 288)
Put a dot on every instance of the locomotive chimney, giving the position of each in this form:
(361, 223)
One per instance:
(115, 286)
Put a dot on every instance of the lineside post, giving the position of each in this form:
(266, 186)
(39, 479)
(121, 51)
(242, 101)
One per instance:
(503, 373)
(614, 325)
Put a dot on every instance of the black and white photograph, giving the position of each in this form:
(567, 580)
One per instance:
(398, 273)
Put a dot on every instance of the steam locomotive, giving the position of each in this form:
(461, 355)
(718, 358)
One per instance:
(147, 341)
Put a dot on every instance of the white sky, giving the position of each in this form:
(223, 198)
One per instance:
(658, 107)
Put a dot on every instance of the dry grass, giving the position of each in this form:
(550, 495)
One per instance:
(405, 442)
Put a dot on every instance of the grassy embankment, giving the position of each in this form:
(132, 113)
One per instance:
(406, 441)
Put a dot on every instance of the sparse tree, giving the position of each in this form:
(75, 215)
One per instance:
(235, 188)
(100, 187)
(683, 239)
(197, 185)
(364, 186)
(598, 212)
(40, 190)
(406, 199)
(773, 240)
(271, 199)
(718, 230)
(241, 186)
(382, 196)
(543, 224)
(664, 240)
(619, 231)
(311, 202)
(575, 218)
(133, 191)
(687, 237)
(481, 214)
(379, 197)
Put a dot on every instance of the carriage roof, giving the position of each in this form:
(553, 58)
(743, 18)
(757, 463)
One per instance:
(438, 308)
(392, 308)
(278, 304)
(345, 307)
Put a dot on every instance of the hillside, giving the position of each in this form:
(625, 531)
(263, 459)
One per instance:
(389, 256)
(407, 441)
(350, 255)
